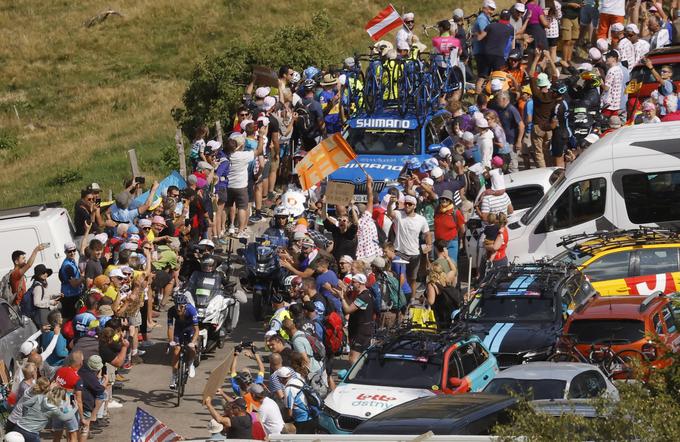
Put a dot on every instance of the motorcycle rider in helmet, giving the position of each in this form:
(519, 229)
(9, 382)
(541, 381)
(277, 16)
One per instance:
(182, 329)
(562, 133)
(277, 231)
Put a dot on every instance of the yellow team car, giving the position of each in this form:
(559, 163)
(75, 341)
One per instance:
(626, 262)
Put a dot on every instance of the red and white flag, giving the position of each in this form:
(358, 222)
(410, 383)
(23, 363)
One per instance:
(383, 23)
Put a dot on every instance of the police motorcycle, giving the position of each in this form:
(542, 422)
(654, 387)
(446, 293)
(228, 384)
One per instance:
(217, 302)
(262, 272)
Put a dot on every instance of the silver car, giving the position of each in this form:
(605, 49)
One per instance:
(556, 387)
(14, 330)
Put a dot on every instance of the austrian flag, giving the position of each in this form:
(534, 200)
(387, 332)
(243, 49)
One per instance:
(383, 23)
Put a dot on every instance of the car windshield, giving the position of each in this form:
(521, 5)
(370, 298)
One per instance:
(512, 308)
(533, 389)
(616, 331)
(572, 257)
(383, 141)
(395, 370)
(529, 216)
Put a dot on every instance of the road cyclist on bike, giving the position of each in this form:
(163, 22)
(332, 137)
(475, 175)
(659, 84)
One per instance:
(182, 330)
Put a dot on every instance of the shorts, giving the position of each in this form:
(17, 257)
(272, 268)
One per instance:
(558, 145)
(222, 196)
(70, 425)
(161, 279)
(488, 63)
(589, 15)
(238, 197)
(265, 171)
(412, 266)
(183, 336)
(569, 29)
(552, 42)
(135, 320)
(360, 343)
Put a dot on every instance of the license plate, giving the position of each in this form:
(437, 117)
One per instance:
(360, 198)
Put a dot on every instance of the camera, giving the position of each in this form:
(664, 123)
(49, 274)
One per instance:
(140, 179)
(245, 345)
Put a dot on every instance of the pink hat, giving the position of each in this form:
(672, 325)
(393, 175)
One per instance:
(648, 106)
(159, 220)
(497, 161)
(300, 228)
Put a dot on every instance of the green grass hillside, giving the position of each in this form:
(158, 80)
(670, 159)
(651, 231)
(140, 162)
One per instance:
(73, 99)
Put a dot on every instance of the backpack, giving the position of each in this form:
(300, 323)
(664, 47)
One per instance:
(318, 350)
(472, 186)
(27, 306)
(304, 121)
(318, 382)
(314, 401)
(333, 334)
(6, 292)
(393, 291)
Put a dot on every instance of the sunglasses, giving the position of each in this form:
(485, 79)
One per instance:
(70, 251)
(146, 228)
(408, 21)
(664, 71)
(409, 204)
(242, 115)
(149, 249)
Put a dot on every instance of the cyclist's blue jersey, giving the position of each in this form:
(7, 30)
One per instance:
(187, 321)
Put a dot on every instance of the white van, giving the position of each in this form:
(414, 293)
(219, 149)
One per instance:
(23, 228)
(629, 178)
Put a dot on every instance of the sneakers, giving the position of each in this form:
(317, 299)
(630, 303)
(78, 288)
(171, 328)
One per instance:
(113, 404)
(231, 230)
(141, 352)
(243, 234)
(192, 370)
(120, 378)
(255, 218)
(173, 382)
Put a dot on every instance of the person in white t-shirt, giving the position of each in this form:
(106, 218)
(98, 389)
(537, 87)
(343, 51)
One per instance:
(409, 226)
(268, 411)
(237, 192)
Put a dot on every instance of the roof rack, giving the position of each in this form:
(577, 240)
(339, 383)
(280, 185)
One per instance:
(648, 300)
(618, 238)
(407, 330)
(25, 211)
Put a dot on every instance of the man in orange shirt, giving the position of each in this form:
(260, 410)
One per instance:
(17, 278)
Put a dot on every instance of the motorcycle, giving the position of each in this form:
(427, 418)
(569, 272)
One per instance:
(262, 273)
(217, 303)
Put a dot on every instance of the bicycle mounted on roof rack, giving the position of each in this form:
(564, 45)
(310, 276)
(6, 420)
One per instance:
(413, 84)
(619, 238)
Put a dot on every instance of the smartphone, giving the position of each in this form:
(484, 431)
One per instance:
(46, 244)
(140, 179)
(98, 201)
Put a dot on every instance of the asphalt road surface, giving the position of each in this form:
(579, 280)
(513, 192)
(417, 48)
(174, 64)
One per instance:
(147, 385)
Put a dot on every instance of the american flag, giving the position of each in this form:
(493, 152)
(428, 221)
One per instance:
(147, 428)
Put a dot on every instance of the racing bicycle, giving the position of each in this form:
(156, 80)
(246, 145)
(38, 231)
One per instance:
(182, 371)
(615, 365)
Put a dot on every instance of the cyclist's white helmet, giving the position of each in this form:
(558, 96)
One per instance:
(295, 78)
(207, 242)
(281, 211)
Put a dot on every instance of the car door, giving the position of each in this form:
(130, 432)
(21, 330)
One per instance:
(608, 272)
(579, 208)
(672, 337)
(656, 268)
(486, 370)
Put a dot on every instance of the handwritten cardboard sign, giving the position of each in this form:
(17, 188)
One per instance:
(339, 193)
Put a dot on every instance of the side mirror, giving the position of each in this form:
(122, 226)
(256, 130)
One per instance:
(243, 241)
(342, 374)
(455, 382)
